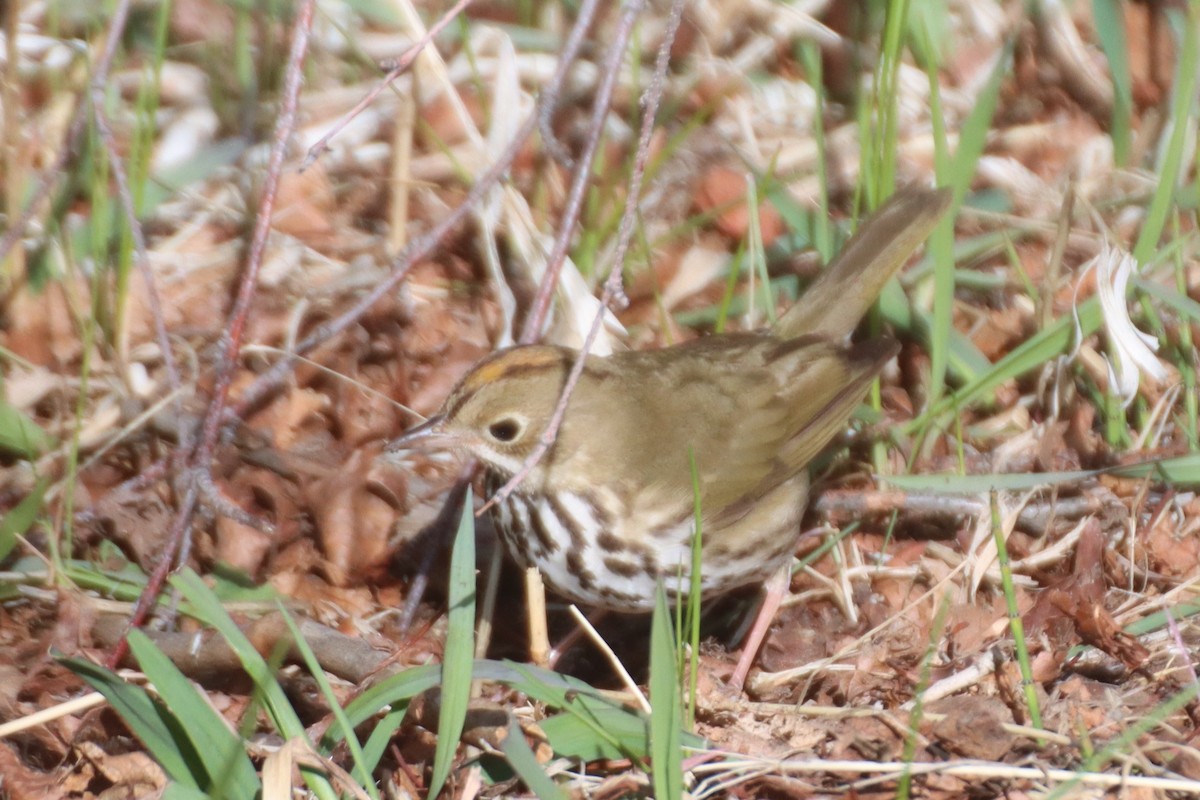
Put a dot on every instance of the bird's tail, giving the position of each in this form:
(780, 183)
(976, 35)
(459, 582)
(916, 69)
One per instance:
(835, 303)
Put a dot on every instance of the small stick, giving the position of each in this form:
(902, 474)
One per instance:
(179, 540)
(401, 64)
(583, 170)
(153, 300)
(612, 285)
(594, 636)
(1033, 517)
(535, 609)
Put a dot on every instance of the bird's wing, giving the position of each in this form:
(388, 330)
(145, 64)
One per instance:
(818, 384)
(751, 410)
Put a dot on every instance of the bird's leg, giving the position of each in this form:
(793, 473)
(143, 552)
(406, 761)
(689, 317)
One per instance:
(776, 588)
(572, 638)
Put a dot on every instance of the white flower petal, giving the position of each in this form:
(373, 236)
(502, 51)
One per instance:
(1131, 351)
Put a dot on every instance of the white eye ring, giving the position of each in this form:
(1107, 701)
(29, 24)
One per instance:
(505, 429)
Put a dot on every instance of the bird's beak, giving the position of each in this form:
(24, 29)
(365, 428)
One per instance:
(430, 434)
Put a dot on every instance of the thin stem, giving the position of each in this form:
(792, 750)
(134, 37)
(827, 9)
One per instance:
(612, 285)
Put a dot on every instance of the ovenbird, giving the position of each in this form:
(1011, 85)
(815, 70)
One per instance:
(609, 509)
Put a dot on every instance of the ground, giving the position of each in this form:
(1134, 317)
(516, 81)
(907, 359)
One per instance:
(994, 588)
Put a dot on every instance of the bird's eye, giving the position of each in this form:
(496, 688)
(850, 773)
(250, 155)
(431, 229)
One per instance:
(504, 430)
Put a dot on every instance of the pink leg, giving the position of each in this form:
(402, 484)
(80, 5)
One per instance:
(571, 639)
(776, 587)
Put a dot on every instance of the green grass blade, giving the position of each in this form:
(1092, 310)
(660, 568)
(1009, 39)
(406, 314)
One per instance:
(21, 518)
(666, 715)
(20, 436)
(230, 772)
(589, 727)
(694, 601)
(1180, 471)
(525, 764)
(1176, 300)
(822, 231)
(981, 484)
(179, 791)
(458, 658)
(381, 737)
(1028, 356)
(1015, 624)
(959, 171)
(964, 361)
(362, 772)
(589, 724)
(1126, 743)
(1183, 90)
(917, 712)
(1158, 620)
(941, 241)
(1110, 27)
(590, 732)
(208, 608)
(880, 175)
(150, 721)
(394, 690)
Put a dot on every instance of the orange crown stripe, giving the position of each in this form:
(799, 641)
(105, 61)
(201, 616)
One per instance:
(519, 360)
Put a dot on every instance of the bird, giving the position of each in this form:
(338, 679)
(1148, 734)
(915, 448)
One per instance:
(609, 509)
